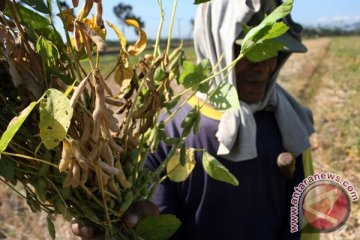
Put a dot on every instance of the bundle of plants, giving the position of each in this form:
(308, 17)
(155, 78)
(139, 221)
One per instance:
(78, 147)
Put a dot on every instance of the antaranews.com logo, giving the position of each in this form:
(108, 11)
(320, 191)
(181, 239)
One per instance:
(321, 203)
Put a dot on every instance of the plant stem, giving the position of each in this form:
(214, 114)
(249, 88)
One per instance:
(29, 158)
(171, 26)
(158, 36)
(180, 107)
(72, 65)
(228, 67)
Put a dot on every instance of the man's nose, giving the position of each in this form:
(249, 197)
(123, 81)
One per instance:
(262, 66)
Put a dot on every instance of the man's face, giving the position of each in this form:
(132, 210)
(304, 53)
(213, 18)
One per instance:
(252, 79)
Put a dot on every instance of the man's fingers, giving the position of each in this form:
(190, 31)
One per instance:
(131, 220)
(80, 230)
(139, 211)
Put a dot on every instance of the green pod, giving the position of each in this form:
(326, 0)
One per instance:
(61, 208)
(138, 180)
(152, 191)
(172, 103)
(174, 55)
(188, 120)
(128, 169)
(33, 205)
(183, 155)
(44, 169)
(65, 192)
(192, 120)
(41, 189)
(144, 192)
(51, 228)
(176, 62)
(197, 123)
(127, 201)
(114, 187)
(89, 213)
(147, 178)
(111, 204)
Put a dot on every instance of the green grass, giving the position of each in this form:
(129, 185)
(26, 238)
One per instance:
(108, 61)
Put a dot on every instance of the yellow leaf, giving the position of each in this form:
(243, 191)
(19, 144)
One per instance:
(119, 34)
(177, 172)
(89, 32)
(140, 45)
(123, 76)
(91, 23)
(68, 18)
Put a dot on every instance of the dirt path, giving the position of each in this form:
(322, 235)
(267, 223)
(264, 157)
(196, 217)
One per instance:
(323, 80)
(300, 69)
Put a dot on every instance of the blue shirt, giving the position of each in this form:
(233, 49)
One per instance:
(259, 208)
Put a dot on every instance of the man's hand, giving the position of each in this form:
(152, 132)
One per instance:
(286, 163)
(135, 213)
(83, 231)
(139, 211)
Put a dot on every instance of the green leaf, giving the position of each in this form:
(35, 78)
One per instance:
(246, 28)
(218, 171)
(51, 34)
(277, 29)
(38, 5)
(55, 117)
(33, 19)
(269, 28)
(159, 75)
(177, 171)
(160, 227)
(193, 74)
(264, 50)
(48, 51)
(281, 11)
(7, 169)
(224, 97)
(14, 126)
(51, 227)
(200, 1)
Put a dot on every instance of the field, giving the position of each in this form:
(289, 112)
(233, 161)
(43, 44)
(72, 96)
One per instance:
(325, 79)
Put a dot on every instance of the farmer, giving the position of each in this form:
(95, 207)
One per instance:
(261, 143)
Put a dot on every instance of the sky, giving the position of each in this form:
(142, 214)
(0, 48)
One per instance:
(305, 12)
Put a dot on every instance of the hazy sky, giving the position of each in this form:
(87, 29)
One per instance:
(306, 12)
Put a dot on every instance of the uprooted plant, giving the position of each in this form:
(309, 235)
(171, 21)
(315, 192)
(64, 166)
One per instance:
(77, 147)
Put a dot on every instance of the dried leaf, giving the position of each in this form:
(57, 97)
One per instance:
(97, 39)
(92, 24)
(68, 18)
(123, 76)
(140, 44)
(119, 34)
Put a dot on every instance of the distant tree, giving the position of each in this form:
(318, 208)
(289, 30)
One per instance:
(123, 12)
(64, 5)
(192, 22)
